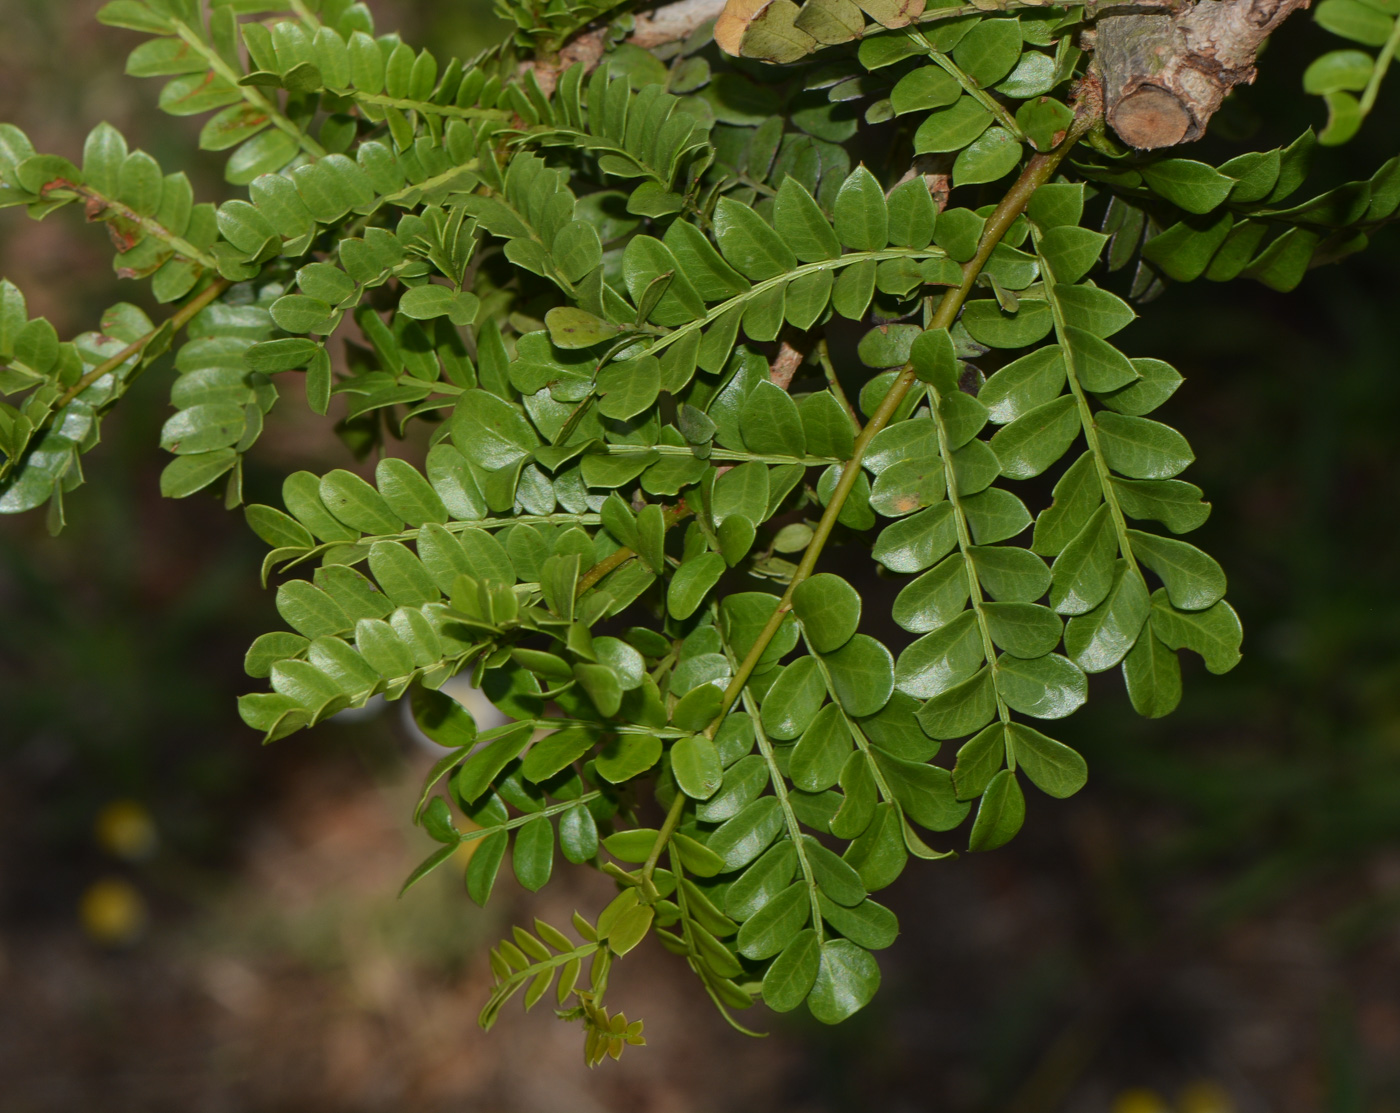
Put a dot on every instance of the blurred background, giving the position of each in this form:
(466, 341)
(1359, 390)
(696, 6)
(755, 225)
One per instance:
(189, 922)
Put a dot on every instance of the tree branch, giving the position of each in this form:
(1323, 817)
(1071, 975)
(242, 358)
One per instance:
(1165, 75)
(666, 24)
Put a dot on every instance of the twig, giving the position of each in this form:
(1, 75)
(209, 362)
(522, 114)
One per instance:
(1166, 75)
(177, 322)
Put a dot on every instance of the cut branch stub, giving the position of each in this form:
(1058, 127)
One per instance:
(1166, 75)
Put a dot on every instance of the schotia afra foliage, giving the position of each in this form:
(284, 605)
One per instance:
(678, 323)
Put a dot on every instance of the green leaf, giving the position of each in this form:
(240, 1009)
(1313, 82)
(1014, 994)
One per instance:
(1152, 675)
(630, 928)
(1351, 19)
(936, 597)
(1194, 581)
(835, 878)
(1083, 572)
(1098, 365)
(629, 387)
(826, 424)
(914, 543)
(481, 769)
(868, 924)
(408, 494)
(695, 764)
(185, 475)
(952, 128)
(556, 752)
(790, 976)
(485, 864)
(1156, 383)
(861, 215)
(357, 504)
(762, 881)
(744, 782)
(962, 709)
(1093, 310)
(912, 214)
(424, 303)
(847, 978)
(1052, 767)
(829, 610)
(924, 88)
(1024, 384)
(1009, 574)
(578, 835)
(692, 582)
(988, 324)
(442, 718)
(533, 855)
(1000, 815)
(770, 422)
(943, 659)
(1215, 633)
(630, 756)
(1023, 629)
(995, 515)
(1335, 71)
(820, 754)
(1044, 120)
(800, 221)
(992, 155)
(749, 243)
(879, 853)
(740, 840)
(1071, 251)
(1048, 687)
(602, 686)
(990, 50)
(1141, 448)
(924, 792)
(769, 930)
(978, 760)
(793, 701)
(571, 328)
(1036, 439)
(862, 675)
(1194, 186)
(490, 432)
(887, 346)
(1098, 640)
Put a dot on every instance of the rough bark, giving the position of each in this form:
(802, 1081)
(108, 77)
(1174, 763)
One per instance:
(1166, 75)
(785, 364)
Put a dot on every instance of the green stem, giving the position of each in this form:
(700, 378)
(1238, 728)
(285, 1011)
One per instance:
(251, 95)
(974, 585)
(673, 819)
(824, 361)
(147, 225)
(794, 829)
(760, 288)
(1086, 415)
(305, 14)
(423, 107)
(521, 820)
(1039, 169)
(616, 559)
(858, 735)
(1373, 86)
(177, 322)
(971, 86)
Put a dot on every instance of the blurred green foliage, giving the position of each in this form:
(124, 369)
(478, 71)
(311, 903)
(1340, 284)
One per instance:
(1269, 781)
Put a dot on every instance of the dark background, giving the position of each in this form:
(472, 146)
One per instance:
(1213, 926)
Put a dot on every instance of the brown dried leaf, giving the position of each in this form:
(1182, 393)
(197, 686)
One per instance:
(734, 21)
